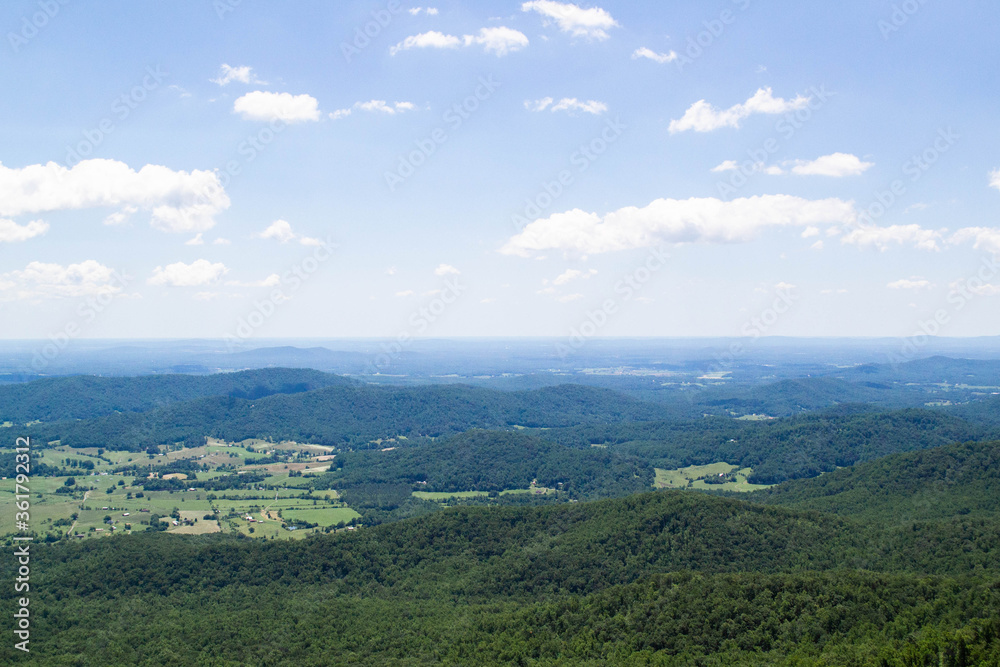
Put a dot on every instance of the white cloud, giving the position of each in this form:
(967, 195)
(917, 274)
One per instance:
(910, 283)
(592, 23)
(391, 271)
(221, 241)
(197, 240)
(883, 237)
(499, 41)
(199, 272)
(272, 280)
(11, 232)
(179, 201)
(725, 165)
(487, 300)
(570, 104)
(703, 117)
(835, 164)
(405, 293)
(427, 10)
(661, 58)
(241, 74)
(817, 246)
(572, 274)
(279, 230)
(983, 238)
(264, 105)
(446, 269)
(538, 105)
(810, 231)
(431, 39)
(121, 217)
(53, 281)
(569, 297)
(995, 179)
(374, 106)
(696, 220)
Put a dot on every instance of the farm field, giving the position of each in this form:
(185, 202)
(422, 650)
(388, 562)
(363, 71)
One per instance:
(100, 501)
(694, 477)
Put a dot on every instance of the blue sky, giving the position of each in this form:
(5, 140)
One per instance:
(253, 170)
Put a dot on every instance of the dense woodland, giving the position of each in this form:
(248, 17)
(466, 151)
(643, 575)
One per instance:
(882, 550)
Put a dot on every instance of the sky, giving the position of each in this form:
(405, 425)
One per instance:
(248, 170)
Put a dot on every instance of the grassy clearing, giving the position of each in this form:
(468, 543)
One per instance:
(689, 477)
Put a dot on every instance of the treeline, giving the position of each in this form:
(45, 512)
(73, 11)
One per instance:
(350, 415)
(780, 449)
(495, 461)
(954, 481)
(89, 396)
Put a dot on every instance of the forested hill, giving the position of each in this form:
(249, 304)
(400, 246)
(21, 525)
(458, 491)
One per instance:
(352, 415)
(779, 449)
(944, 482)
(89, 396)
(495, 461)
(655, 578)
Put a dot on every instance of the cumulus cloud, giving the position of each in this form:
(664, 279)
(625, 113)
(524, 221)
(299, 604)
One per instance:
(836, 165)
(995, 179)
(197, 240)
(592, 23)
(178, 201)
(427, 10)
(241, 74)
(726, 165)
(982, 238)
(445, 270)
(197, 273)
(39, 280)
(568, 104)
(650, 54)
(281, 231)
(11, 232)
(374, 106)
(703, 117)
(499, 41)
(884, 237)
(573, 274)
(264, 105)
(910, 283)
(696, 220)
